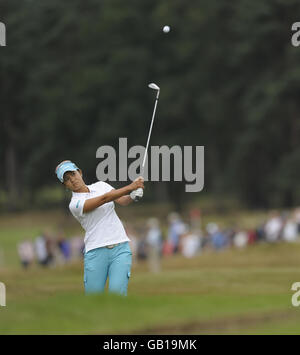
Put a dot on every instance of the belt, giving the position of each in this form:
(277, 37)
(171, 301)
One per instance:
(112, 246)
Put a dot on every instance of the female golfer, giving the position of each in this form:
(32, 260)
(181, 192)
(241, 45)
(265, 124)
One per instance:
(107, 251)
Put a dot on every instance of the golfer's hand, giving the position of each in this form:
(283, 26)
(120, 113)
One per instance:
(137, 194)
(137, 183)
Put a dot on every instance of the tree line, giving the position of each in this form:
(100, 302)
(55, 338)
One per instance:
(74, 77)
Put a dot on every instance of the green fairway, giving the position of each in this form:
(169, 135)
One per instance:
(214, 293)
(229, 292)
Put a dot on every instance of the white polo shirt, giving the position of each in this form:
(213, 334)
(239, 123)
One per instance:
(102, 225)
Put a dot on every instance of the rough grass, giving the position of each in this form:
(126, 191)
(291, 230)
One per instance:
(229, 292)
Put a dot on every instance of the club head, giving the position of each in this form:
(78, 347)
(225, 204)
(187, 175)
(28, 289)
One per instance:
(153, 86)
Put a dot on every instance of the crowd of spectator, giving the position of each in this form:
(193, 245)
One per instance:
(49, 250)
(151, 243)
(191, 238)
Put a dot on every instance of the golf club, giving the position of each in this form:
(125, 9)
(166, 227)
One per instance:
(154, 87)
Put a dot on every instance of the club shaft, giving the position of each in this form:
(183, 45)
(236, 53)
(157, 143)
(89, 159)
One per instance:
(149, 135)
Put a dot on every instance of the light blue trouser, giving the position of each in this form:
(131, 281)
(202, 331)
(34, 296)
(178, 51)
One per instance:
(114, 263)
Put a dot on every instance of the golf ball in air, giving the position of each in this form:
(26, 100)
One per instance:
(166, 29)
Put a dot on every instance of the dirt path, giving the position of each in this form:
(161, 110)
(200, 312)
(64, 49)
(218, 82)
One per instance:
(222, 324)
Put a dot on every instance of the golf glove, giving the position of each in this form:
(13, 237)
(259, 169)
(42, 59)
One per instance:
(137, 194)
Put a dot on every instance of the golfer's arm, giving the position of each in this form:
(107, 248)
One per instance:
(124, 200)
(92, 203)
